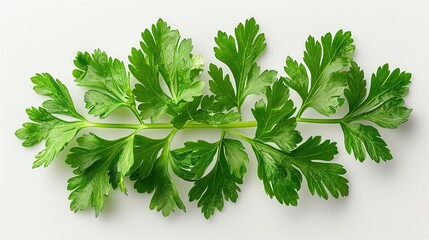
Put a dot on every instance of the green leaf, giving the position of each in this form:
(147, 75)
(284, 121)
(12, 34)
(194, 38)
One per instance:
(152, 105)
(151, 174)
(149, 93)
(184, 112)
(386, 85)
(327, 62)
(109, 80)
(221, 183)
(257, 82)
(89, 189)
(101, 104)
(383, 105)
(221, 86)
(281, 172)
(240, 55)
(95, 161)
(298, 78)
(274, 118)
(166, 54)
(390, 114)
(165, 198)
(236, 157)
(356, 87)
(125, 161)
(146, 151)
(34, 132)
(203, 110)
(192, 161)
(359, 138)
(56, 132)
(283, 135)
(321, 177)
(61, 101)
(280, 178)
(56, 140)
(211, 112)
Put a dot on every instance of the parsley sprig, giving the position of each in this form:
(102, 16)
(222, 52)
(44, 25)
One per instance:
(327, 78)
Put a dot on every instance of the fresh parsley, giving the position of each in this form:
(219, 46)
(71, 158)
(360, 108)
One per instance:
(327, 79)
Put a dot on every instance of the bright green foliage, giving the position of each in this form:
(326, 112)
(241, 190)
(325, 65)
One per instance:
(390, 114)
(35, 132)
(327, 62)
(222, 87)
(192, 161)
(281, 169)
(282, 172)
(169, 87)
(57, 139)
(383, 105)
(95, 160)
(61, 101)
(358, 137)
(240, 55)
(164, 54)
(275, 124)
(204, 110)
(221, 183)
(109, 80)
(57, 133)
(151, 174)
(154, 101)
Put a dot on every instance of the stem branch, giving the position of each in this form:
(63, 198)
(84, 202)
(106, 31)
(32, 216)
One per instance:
(317, 120)
(240, 124)
(136, 113)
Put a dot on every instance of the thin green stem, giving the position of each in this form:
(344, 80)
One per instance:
(222, 134)
(80, 116)
(116, 125)
(169, 138)
(242, 124)
(173, 90)
(301, 109)
(317, 120)
(166, 149)
(136, 113)
(232, 125)
(239, 112)
(242, 136)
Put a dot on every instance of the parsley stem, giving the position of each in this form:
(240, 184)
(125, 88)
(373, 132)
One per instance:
(240, 124)
(239, 112)
(114, 125)
(169, 138)
(301, 109)
(318, 120)
(244, 137)
(136, 113)
(222, 134)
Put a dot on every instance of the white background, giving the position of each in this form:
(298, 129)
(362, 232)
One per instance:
(386, 201)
